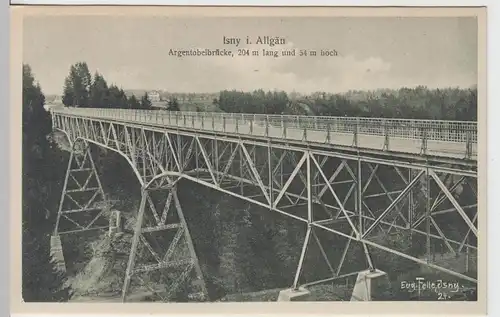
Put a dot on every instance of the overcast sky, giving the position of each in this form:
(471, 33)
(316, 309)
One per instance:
(374, 52)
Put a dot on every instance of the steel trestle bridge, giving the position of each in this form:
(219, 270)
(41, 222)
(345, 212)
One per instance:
(358, 179)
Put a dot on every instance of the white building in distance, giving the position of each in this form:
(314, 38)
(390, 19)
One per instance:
(154, 96)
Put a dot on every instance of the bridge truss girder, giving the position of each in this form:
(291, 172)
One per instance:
(330, 191)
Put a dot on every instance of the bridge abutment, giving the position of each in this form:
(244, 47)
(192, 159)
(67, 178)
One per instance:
(56, 253)
(115, 223)
(293, 295)
(367, 284)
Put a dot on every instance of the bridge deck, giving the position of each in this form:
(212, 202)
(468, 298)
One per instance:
(447, 139)
(330, 190)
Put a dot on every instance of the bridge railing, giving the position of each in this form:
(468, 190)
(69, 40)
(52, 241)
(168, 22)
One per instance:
(413, 129)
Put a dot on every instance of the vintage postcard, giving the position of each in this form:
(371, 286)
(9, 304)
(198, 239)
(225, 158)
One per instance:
(279, 160)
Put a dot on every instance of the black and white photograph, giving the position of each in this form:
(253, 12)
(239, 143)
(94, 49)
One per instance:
(251, 158)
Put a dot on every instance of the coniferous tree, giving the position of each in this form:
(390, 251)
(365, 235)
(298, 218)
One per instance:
(145, 102)
(77, 86)
(68, 98)
(99, 92)
(117, 97)
(39, 279)
(133, 103)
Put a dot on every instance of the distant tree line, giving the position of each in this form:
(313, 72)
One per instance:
(81, 89)
(417, 103)
(257, 101)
